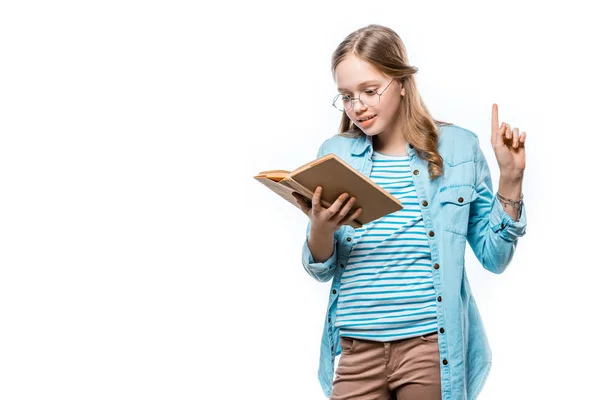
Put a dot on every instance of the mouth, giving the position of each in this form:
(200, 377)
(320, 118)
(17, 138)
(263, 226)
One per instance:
(367, 118)
(367, 121)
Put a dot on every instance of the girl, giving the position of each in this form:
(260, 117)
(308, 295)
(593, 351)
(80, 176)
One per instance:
(400, 313)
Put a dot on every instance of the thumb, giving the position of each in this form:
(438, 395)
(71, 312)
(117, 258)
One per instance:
(302, 203)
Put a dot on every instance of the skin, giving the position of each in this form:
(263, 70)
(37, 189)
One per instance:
(508, 145)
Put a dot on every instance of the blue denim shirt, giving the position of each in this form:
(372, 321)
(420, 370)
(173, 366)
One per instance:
(458, 207)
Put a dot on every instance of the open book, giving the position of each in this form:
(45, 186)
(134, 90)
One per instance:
(335, 176)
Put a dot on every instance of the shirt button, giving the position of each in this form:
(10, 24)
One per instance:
(424, 203)
(445, 362)
(431, 233)
(342, 265)
(442, 330)
(348, 239)
(334, 292)
(436, 266)
(332, 350)
(438, 299)
(329, 320)
(502, 226)
(460, 199)
(416, 172)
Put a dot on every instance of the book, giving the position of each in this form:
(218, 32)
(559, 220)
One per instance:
(335, 176)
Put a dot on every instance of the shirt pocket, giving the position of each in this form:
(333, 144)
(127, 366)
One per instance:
(455, 203)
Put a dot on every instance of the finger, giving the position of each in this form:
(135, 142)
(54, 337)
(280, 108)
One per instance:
(515, 137)
(508, 133)
(304, 206)
(346, 209)
(316, 199)
(499, 137)
(522, 139)
(337, 204)
(352, 217)
(495, 126)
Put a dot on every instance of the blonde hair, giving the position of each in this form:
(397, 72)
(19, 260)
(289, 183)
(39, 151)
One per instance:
(383, 49)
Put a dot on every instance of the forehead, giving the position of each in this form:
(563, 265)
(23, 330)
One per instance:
(352, 72)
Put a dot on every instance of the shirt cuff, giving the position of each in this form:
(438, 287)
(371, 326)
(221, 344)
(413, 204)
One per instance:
(309, 261)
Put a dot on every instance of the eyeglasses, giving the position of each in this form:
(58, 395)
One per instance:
(368, 97)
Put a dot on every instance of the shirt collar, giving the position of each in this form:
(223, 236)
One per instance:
(363, 142)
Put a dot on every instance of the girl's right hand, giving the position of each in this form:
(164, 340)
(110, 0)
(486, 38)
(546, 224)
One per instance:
(327, 220)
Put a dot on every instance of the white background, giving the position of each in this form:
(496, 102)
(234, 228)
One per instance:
(139, 259)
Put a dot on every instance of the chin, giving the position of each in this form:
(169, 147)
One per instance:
(369, 132)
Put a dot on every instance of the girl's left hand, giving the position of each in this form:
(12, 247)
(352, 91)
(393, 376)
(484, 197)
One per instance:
(508, 145)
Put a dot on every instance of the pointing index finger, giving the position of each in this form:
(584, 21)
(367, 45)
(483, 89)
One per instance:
(495, 128)
(495, 117)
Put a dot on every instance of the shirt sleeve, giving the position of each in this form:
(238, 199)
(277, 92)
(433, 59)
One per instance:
(322, 271)
(325, 270)
(492, 234)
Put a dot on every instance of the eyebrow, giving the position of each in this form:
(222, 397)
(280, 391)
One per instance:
(362, 84)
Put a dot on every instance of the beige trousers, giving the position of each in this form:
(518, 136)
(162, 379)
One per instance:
(407, 369)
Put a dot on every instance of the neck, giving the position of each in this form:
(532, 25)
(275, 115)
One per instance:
(391, 140)
(393, 144)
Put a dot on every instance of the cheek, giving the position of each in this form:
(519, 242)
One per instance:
(388, 113)
(391, 108)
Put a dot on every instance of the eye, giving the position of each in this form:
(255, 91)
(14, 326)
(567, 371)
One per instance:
(370, 91)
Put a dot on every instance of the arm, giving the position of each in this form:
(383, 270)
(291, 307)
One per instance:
(323, 270)
(493, 233)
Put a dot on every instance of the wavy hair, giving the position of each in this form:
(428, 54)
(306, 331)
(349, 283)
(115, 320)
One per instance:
(384, 50)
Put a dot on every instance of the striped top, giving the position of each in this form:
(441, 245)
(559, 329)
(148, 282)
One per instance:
(387, 290)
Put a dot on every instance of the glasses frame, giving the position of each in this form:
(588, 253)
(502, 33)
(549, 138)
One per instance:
(358, 98)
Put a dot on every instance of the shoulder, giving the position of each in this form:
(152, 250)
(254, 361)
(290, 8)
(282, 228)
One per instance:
(338, 143)
(457, 144)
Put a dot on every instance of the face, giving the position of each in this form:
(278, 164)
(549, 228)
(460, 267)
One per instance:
(354, 75)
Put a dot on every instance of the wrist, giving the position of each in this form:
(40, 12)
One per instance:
(512, 176)
(510, 186)
(320, 234)
(515, 204)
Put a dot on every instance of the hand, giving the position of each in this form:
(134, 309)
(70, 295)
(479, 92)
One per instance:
(327, 220)
(509, 146)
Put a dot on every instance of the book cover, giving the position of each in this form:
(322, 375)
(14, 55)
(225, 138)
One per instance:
(335, 176)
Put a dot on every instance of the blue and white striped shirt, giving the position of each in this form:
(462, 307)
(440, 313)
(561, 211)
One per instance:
(387, 290)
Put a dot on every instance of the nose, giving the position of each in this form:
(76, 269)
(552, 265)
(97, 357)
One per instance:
(357, 103)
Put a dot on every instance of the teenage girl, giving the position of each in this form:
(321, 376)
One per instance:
(401, 314)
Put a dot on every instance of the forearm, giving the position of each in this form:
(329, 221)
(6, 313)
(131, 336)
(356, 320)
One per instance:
(320, 245)
(510, 186)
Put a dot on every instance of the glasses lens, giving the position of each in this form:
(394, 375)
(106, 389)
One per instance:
(341, 104)
(369, 97)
